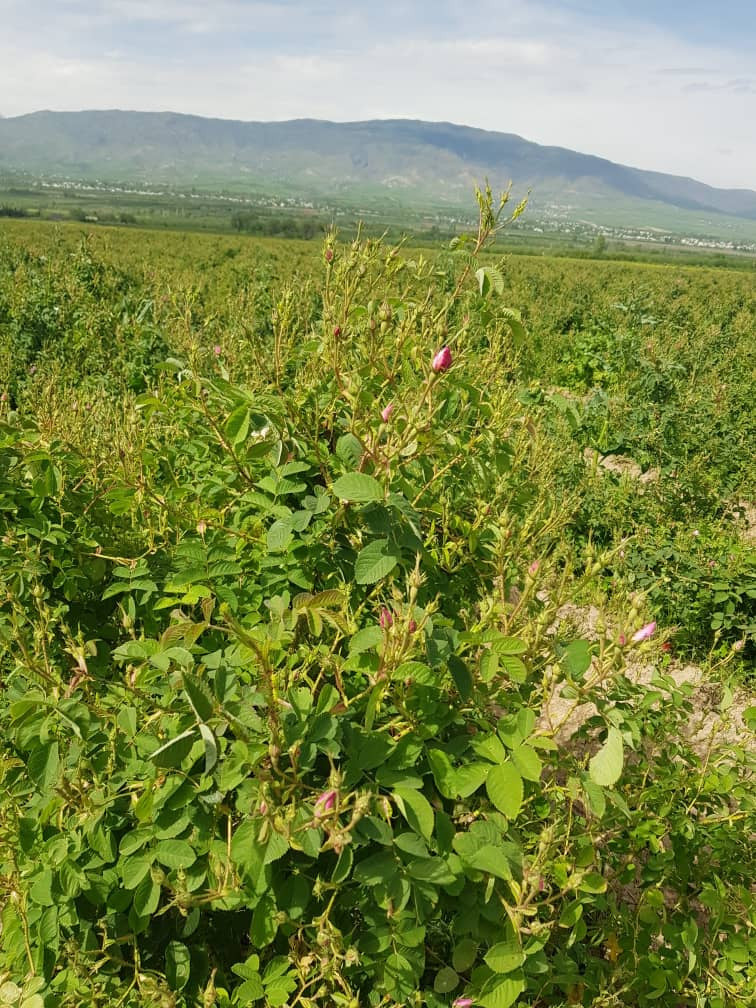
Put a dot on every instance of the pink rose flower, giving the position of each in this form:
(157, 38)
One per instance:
(644, 633)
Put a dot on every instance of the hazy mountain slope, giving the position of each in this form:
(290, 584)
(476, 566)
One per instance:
(441, 159)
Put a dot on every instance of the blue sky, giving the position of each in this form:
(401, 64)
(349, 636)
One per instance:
(662, 84)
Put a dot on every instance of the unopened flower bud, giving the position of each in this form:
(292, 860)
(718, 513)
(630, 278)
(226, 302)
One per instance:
(443, 360)
(385, 620)
(325, 803)
(328, 255)
(217, 350)
(386, 412)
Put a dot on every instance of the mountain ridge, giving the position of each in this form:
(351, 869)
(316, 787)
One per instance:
(330, 158)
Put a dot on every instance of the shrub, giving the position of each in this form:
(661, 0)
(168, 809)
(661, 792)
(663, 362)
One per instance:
(279, 675)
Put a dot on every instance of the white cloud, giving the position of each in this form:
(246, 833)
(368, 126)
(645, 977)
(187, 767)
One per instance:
(629, 91)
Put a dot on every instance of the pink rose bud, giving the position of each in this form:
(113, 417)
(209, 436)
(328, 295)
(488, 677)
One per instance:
(329, 255)
(386, 412)
(738, 645)
(412, 626)
(644, 633)
(263, 807)
(202, 526)
(337, 331)
(385, 620)
(325, 803)
(533, 569)
(217, 350)
(443, 359)
(622, 640)
(666, 646)
(462, 1002)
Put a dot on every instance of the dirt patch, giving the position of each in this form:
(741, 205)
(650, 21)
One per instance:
(744, 513)
(620, 465)
(709, 727)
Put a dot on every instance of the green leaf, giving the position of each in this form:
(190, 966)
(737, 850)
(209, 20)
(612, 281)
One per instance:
(514, 321)
(349, 450)
(461, 676)
(237, 425)
(375, 561)
(399, 976)
(504, 787)
(358, 488)
(443, 773)
(605, 767)
(508, 645)
(464, 955)
(43, 765)
(432, 869)
(134, 869)
(199, 697)
(264, 924)
(211, 746)
(175, 854)
(502, 993)
(446, 981)
(343, 866)
(469, 777)
(365, 640)
(514, 667)
(489, 278)
(178, 965)
(577, 658)
(146, 896)
(251, 991)
(505, 957)
(527, 761)
(416, 809)
(377, 869)
(593, 882)
(41, 888)
(171, 754)
(279, 536)
(491, 860)
(277, 993)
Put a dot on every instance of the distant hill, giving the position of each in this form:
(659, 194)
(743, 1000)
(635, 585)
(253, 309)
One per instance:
(435, 162)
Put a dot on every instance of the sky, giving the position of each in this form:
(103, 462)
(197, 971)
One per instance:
(668, 85)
